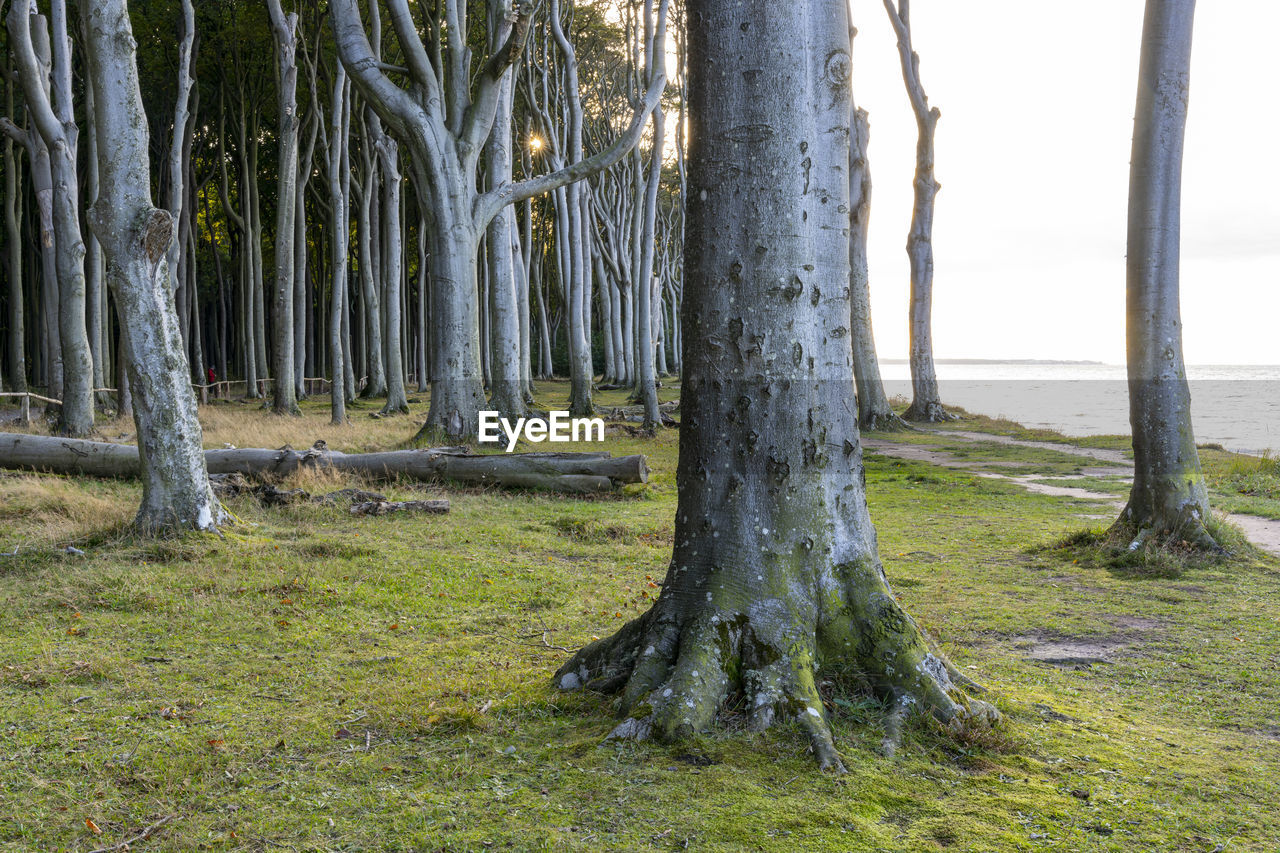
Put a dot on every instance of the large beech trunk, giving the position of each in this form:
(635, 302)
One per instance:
(576, 473)
(774, 571)
(135, 238)
(1168, 501)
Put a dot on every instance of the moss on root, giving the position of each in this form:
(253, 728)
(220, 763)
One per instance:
(676, 668)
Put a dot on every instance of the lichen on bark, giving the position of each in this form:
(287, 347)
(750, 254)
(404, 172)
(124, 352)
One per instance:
(774, 572)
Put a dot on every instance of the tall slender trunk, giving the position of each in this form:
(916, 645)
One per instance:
(135, 238)
(340, 227)
(284, 30)
(646, 382)
(13, 240)
(506, 393)
(54, 120)
(423, 297)
(874, 411)
(1168, 502)
(392, 255)
(926, 403)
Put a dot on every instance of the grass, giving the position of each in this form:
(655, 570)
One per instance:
(319, 682)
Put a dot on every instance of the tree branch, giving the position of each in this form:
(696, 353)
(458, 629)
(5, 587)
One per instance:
(489, 204)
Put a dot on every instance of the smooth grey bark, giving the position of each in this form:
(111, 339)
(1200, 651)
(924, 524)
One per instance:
(304, 320)
(95, 294)
(340, 226)
(366, 234)
(926, 403)
(646, 382)
(135, 238)
(13, 240)
(392, 258)
(444, 119)
(54, 120)
(874, 411)
(574, 239)
(1168, 503)
(179, 149)
(506, 391)
(423, 297)
(285, 32)
(774, 572)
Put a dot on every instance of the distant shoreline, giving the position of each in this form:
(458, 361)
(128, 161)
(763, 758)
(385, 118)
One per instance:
(994, 361)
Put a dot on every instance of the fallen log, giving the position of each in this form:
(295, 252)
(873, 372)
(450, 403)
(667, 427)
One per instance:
(574, 473)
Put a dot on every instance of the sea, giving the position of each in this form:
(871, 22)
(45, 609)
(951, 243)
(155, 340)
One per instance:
(1236, 406)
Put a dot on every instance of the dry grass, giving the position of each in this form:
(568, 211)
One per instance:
(43, 509)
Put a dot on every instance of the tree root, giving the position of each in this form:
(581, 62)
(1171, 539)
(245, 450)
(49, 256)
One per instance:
(1186, 530)
(674, 668)
(929, 413)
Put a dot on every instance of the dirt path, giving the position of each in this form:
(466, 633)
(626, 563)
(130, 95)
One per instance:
(1263, 532)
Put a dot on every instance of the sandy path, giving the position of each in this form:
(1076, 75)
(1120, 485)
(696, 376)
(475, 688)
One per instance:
(1263, 532)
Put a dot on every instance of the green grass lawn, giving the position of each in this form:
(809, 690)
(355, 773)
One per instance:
(314, 681)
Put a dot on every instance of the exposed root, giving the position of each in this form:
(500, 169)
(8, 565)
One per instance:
(1185, 531)
(675, 667)
(883, 422)
(930, 413)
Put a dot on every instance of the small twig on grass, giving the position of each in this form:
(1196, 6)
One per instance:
(143, 836)
(543, 645)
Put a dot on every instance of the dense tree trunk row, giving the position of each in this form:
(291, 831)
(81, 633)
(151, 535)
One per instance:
(380, 282)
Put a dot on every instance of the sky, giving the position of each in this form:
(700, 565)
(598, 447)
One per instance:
(1033, 147)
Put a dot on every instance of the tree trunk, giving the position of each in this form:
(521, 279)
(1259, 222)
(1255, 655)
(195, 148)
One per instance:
(340, 226)
(54, 120)
(926, 403)
(874, 411)
(13, 241)
(284, 30)
(392, 255)
(366, 234)
(506, 390)
(1168, 503)
(135, 239)
(457, 384)
(774, 572)
(646, 382)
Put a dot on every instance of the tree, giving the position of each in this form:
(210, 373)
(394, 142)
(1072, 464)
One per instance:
(926, 403)
(774, 572)
(284, 29)
(13, 246)
(54, 118)
(135, 237)
(340, 223)
(874, 411)
(444, 120)
(1168, 501)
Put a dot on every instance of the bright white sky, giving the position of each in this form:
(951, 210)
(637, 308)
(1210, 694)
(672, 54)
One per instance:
(1033, 147)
